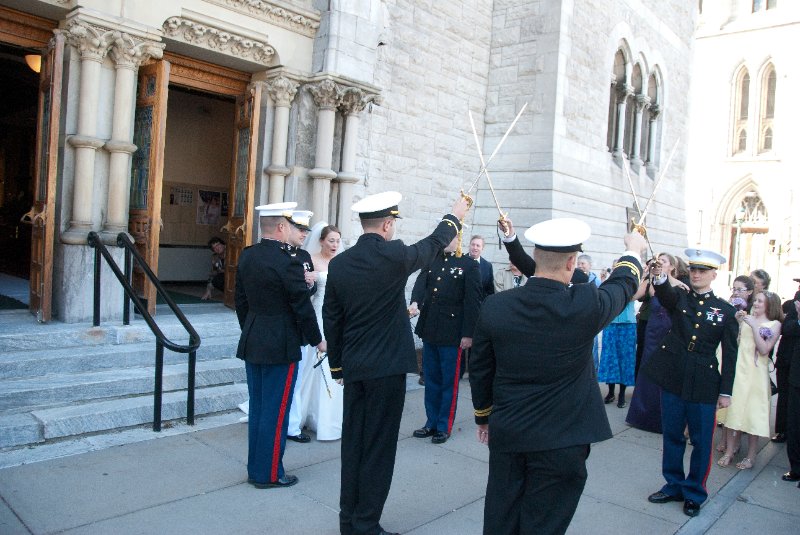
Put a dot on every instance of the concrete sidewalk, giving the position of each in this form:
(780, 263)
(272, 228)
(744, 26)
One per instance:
(192, 480)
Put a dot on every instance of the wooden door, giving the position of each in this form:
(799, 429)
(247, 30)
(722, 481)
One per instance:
(42, 214)
(147, 170)
(240, 219)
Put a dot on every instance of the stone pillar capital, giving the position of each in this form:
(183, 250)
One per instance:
(642, 102)
(655, 111)
(282, 91)
(327, 94)
(624, 91)
(354, 100)
(92, 41)
(129, 53)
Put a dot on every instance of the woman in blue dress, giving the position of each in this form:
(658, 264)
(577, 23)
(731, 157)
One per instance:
(645, 410)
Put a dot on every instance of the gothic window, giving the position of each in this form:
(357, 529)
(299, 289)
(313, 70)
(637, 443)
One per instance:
(617, 88)
(741, 109)
(768, 84)
(649, 124)
(760, 5)
(751, 211)
(630, 111)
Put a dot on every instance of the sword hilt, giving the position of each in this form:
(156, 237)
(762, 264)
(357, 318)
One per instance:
(636, 227)
(504, 224)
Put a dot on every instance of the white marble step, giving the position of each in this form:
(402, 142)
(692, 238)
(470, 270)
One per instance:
(59, 389)
(33, 363)
(98, 416)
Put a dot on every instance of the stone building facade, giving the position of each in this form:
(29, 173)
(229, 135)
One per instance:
(150, 113)
(743, 192)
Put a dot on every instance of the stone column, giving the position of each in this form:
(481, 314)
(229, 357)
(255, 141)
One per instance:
(128, 54)
(641, 103)
(655, 111)
(623, 92)
(282, 91)
(327, 95)
(353, 103)
(93, 44)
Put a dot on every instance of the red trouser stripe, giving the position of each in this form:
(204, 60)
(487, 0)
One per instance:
(276, 448)
(455, 392)
(711, 451)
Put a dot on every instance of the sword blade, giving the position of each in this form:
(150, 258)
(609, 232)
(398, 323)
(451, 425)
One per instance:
(630, 183)
(485, 164)
(643, 214)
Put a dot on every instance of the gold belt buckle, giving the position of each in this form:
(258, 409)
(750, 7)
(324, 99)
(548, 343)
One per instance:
(691, 346)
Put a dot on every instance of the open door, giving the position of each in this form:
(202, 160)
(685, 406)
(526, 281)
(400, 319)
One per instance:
(240, 219)
(42, 215)
(147, 170)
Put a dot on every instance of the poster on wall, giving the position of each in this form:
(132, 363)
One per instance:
(179, 196)
(209, 207)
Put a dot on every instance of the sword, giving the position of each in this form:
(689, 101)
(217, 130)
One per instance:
(643, 214)
(486, 171)
(320, 358)
(497, 148)
(637, 227)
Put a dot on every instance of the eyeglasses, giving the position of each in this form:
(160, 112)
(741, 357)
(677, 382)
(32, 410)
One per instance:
(739, 290)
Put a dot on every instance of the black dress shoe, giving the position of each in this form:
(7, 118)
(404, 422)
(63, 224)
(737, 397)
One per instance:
(440, 437)
(790, 476)
(302, 438)
(609, 398)
(384, 532)
(621, 403)
(691, 508)
(779, 438)
(424, 432)
(286, 481)
(663, 497)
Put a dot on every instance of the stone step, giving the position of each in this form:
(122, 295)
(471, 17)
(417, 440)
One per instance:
(98, 416)
(30, 336)
(59, 389)
(33, 363)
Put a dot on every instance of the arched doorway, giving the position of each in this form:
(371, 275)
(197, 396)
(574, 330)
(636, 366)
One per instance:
(749, 245)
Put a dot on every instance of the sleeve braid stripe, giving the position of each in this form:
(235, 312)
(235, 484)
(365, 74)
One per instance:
(630, 265)
(484, 412)
(336, 369)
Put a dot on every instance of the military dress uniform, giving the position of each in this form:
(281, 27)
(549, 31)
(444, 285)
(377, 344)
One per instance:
(533, 383)
(526, 264)
(275, 314)
(687, 370)
(448, 294)
(371, 347)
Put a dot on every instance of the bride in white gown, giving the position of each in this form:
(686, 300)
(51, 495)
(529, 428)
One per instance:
(322, 398)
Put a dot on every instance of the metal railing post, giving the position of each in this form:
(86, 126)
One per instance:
(190, 389)
(126, 305)
(96, 304)
(158, 386)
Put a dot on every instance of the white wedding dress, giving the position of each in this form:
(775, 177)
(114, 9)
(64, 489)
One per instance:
(322, 398)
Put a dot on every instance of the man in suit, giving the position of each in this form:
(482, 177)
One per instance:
(537, 402)
(476, 245)
(448, 296)
(686, 369)
(790, 332)
(299, 229)
(370, 348)
(792, 392)
(274, 309)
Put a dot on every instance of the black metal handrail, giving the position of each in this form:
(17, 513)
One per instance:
(161, 340)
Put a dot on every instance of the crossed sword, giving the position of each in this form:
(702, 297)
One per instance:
(638, 226)
(485, 163)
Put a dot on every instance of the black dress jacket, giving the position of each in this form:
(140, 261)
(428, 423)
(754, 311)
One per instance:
(449, 297)
(686, 363)
(527, 265)
(790, 334)
(273, 304)
(364, 313)
(531, 369)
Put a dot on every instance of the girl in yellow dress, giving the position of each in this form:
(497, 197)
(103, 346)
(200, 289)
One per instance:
(750, 399)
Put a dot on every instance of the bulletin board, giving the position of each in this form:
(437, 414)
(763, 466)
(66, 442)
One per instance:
(192, 214)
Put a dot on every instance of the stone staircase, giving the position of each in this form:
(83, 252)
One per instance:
(59, 380)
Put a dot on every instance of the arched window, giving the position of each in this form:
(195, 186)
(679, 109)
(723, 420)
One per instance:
(768, 84)
(630, 110)
(649, 117)
(617, 85)
(741, 111)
